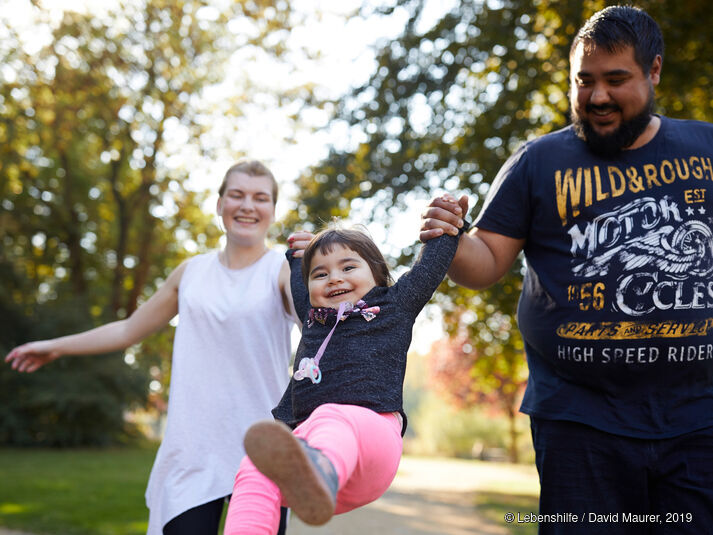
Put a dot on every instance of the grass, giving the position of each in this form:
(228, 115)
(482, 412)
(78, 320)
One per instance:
(495, 505)
(75, 492)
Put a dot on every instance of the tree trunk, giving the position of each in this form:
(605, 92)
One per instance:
(74, 237)
(142, 270)
(514, 453)
(122, 217)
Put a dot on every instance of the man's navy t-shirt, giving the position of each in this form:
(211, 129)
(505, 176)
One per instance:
(617, 303)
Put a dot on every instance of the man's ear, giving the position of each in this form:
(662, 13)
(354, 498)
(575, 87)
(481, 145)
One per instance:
(655, 72)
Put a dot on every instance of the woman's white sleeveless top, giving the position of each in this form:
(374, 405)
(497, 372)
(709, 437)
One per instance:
(230, 366)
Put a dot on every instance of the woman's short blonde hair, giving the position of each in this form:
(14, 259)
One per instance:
(250, 168)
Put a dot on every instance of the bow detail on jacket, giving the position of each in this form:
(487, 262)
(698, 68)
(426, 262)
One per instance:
(323, 313)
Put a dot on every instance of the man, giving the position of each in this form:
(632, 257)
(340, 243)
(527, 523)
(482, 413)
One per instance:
(614, 215)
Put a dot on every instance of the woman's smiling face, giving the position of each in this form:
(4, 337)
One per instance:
(247, 207)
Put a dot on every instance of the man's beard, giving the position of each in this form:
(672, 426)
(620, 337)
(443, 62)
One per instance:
(624, 136)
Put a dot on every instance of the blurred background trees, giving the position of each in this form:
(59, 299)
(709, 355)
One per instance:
(94, 212)
(96, 120)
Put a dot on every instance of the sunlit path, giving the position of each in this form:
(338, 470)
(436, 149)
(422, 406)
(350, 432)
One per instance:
(432, 497)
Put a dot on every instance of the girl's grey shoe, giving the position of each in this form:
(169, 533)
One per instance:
(306, 478)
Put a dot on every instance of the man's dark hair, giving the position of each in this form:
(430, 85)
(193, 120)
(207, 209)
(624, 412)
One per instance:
(616, 27)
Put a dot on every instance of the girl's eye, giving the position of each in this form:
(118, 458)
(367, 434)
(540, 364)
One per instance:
(318, 275)
(349, 268)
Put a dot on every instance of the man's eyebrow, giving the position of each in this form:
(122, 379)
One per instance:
(613, 72)
(618, 72)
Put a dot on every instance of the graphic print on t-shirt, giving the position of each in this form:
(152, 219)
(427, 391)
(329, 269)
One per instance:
(648, 260)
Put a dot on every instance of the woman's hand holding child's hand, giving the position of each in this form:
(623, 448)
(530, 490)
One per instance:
(298, 241)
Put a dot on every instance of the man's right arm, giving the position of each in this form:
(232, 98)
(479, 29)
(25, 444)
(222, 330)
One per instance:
(483, 257)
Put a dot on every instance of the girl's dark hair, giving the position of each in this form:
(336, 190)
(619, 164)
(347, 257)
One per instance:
(251, 168)
(616, 27)
(357, 241)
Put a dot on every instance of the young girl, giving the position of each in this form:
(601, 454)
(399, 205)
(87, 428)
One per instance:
(233, 304)
(344, 401)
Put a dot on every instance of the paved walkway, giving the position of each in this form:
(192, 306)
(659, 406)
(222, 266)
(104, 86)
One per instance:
(429, 497)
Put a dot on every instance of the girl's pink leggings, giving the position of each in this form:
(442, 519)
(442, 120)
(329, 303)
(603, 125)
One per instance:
(364, 447)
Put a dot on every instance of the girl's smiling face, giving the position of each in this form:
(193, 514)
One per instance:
(337, 276)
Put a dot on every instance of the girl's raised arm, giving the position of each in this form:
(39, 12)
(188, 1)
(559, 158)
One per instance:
(286, 291)
(147, 319)
(297, 241)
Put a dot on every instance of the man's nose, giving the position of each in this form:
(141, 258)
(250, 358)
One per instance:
(599, 95)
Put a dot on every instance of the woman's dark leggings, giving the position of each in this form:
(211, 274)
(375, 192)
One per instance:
(205, 520)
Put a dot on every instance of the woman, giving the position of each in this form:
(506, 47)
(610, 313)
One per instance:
(230, 356)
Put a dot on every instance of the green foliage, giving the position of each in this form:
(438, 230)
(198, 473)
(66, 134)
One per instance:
(687, 68)
(441, 425)
(445, 105)
(75, 401)
(441, 429)
(94, 209)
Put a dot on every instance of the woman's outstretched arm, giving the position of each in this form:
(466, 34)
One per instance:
(147, 319)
